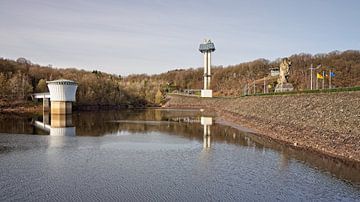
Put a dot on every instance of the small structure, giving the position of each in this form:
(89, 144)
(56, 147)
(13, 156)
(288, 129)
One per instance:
(206, 48)
(274, 72)
(283, 79)
(62, 95)
(46, 100)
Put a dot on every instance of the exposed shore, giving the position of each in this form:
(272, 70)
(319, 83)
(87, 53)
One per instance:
(328, 123)
(19, 107)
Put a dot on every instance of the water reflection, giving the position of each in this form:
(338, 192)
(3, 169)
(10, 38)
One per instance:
(192, 125)
(284, 161)
(207, 122)
(56, 124)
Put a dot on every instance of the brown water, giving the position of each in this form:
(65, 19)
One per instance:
(159, 155)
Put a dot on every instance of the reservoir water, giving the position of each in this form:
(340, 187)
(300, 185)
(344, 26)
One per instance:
(159, 155)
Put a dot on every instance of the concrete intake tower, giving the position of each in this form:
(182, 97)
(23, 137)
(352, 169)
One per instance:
(62, 95)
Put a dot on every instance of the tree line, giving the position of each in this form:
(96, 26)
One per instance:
(231, 80)
(21, 78)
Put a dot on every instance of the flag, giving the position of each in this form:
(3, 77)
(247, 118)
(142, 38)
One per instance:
(332, 74)
(319, 76)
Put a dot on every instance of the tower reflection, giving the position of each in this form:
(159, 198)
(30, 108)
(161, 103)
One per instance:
(57, 124)
(207, 122)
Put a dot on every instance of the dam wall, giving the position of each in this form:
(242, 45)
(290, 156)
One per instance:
(325, 122)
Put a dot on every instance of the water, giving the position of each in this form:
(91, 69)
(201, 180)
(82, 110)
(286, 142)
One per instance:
(158, 155)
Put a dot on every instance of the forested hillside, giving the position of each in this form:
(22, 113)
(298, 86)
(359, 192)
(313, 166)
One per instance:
(230, 80)
(18, 79)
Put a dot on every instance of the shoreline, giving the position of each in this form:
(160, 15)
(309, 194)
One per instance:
(286, 133)
(337, 144)
(21, 110)
(38, 108)
(263, 134)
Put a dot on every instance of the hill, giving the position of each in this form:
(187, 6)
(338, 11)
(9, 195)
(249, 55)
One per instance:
(18, 79)
(230, 80)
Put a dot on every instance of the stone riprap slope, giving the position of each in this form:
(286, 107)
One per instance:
(325, 122)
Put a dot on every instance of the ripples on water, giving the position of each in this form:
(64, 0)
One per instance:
(159, 155)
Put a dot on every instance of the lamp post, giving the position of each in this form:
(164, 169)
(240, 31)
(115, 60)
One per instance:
(330, 75)
(311, 75)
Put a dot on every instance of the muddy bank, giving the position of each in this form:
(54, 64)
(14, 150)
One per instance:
(19, 107)
(326, 123)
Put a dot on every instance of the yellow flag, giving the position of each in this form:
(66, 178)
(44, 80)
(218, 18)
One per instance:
(319, 76)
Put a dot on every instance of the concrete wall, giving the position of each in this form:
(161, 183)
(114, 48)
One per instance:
(62, 92)
(61, 107)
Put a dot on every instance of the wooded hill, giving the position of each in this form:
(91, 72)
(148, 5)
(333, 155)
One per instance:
(18, 79)
(230, 80)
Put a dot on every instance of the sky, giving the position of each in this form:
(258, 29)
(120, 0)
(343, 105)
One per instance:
(153, 36)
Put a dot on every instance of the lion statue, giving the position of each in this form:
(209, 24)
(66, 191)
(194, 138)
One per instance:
(284, 71)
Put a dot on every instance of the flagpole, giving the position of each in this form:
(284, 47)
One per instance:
(323, 80)
(254, 88)
(311, 77)
(264, 84)
(330, 74)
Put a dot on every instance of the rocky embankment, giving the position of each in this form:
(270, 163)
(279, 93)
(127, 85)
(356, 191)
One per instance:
(326, 122)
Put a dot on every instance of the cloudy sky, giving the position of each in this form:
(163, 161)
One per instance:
(153, 36)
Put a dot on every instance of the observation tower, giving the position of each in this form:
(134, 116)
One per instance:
(206, 48)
